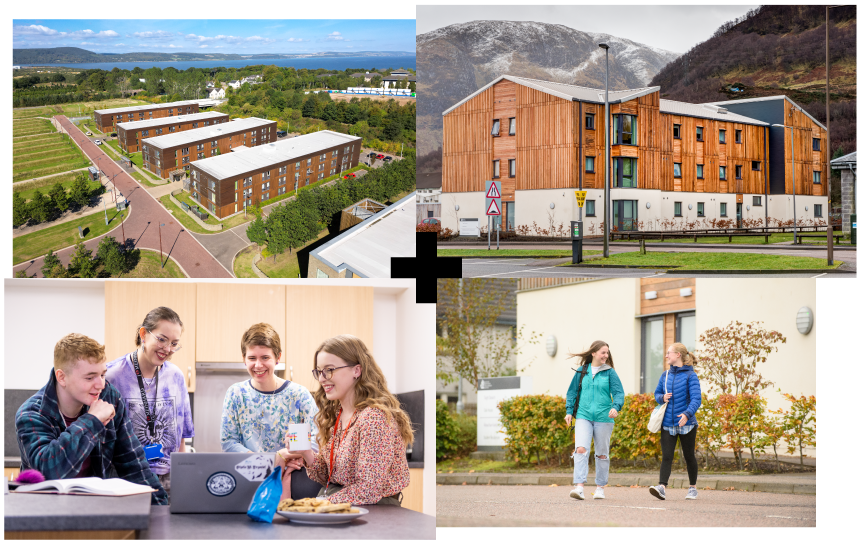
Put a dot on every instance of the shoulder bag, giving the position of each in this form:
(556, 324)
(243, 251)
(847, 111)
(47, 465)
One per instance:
(657, 415)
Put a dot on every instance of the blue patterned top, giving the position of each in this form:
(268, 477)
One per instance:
(255, 421)
(681, 430)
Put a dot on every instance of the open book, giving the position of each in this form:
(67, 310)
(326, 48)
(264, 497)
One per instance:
(94, 486)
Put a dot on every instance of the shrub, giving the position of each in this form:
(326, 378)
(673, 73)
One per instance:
(446, 234)
(428, 227)
(799, 424)
(630, 439)
(468, 435)
(447, 432)
(534, 425)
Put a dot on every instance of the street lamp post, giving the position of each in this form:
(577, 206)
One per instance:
(104, 201)
(605, 251)
(122, 223)
(160, 248)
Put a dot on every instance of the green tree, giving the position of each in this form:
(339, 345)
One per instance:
(59, 197)
(79, 191)
(40, 207)
(393, 129)
(256, 231)
(82, 263)
(51, 262)
(20, 210)
(111, 255)
(799, 423)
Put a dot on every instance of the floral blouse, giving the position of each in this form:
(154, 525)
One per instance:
(369, 462)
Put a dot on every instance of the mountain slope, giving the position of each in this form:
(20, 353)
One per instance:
(456, 60)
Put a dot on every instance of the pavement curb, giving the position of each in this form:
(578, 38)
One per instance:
(756, 271)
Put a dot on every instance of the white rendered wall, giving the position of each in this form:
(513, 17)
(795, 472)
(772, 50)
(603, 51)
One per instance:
(470, 206)
(534, 205)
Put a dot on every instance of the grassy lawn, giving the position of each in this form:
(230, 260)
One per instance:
(142, 179)
(60, 236)
(45, 155)
(713, 261)
(38, 141)
(90, 127)
(774, 237)
(183, 217)
(86, 108)
(65, 179)
(185, 197)
(452, 252)
(241, 267)
(24, 113)
(286, 265)
(31, 127)
(149, 266)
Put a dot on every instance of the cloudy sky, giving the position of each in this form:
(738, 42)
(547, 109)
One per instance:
(223, 36)
(674, 28)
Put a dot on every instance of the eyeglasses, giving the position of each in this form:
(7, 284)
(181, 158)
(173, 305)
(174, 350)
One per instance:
(327, 373)
(165, 343)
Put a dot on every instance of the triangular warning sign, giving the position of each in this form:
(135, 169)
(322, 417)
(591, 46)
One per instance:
(493, 208)
(493, 192)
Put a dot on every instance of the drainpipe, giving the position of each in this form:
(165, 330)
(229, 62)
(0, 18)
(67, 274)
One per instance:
(607, 218)
(766, 173)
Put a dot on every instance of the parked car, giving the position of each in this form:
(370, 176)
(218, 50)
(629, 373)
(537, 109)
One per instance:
(98, 142)
(113, 134)
(372, 155)
(433, 221)
(379, 156)
(388, 158)
(281, 134)
(88, 133)
(349, 175)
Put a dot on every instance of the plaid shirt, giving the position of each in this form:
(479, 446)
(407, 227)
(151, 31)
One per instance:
(59, 452)
(681, 430)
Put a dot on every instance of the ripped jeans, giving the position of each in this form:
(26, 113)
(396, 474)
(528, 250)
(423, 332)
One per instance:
(600, 434)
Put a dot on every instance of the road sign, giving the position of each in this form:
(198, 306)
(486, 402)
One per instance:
(493, 197)
(492, 191)
(493, 209)
(580, 196)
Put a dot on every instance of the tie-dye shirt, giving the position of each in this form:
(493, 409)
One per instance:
(255, 421)
(173, 419)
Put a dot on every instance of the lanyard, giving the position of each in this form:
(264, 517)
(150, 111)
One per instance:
(333, 445)
(150, 420)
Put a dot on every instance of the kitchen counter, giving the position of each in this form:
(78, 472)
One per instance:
(65, 515)
(382, 522)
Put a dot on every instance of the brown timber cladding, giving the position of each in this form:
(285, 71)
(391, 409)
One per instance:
(231, 193)
(107, 122)
(163, 161)
(546, 146)
(806, 160)
(668, 302)
(129, 141)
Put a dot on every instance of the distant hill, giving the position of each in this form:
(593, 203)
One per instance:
(456, 60)
(74, 55)
(774, 50)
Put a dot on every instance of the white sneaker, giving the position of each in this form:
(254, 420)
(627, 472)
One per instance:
(599, 494)
(577, 493)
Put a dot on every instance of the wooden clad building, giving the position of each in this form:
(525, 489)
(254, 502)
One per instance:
(671, 162)
(106, 120)
(130, 134)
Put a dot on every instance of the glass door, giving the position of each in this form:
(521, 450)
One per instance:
(510, 216)
(625, 215)
(738, 214)
(652, 352)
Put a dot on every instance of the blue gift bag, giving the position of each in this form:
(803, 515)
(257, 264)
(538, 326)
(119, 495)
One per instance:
(264, 503)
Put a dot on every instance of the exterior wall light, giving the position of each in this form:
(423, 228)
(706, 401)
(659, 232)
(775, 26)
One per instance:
(685, 292)
(551, 345)
(650, 295)
(804, 320)
(551, 206)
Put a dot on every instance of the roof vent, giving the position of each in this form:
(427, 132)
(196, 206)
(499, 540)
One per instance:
(716, 108)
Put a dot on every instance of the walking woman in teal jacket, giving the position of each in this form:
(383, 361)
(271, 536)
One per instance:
(594, 399)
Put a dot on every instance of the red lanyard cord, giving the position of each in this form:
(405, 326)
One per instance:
(333, 444)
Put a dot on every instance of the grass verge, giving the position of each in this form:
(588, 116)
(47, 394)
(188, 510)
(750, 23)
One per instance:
(286, 264)
(241, 267)
(149, 266)
(452, 252)
(713, 261)
(773, 238)
(33, 245)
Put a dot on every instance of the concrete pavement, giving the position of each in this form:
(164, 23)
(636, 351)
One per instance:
(141, 226)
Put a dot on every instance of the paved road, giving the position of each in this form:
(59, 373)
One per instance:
(141, 226)
(623, 506)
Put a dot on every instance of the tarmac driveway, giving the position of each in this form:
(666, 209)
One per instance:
(225, 245)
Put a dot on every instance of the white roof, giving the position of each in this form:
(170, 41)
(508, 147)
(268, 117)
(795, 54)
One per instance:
(258, 157)
(146, 107)
(706, 111)
(764, 99)
(843, 162)
(203, 133)
(565, 91)
(134, 125)
(366, 248)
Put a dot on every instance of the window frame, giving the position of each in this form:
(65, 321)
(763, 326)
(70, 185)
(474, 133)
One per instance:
(593, 159)
(816, 144)
(738, 172)
(619, 133)
(495, 127)
(759, 165)
(820, 210)
(679, 166)
(618, 165)
(756, 200)
(817, 177)
(722, 172)
(495, 169)
(587, 204)
(591, 118)
(699, 134)
(677, 131)
(738, 136)
(701, 209)
(511, 126)
(511, 168)
(677, 205)
(699, 172)
(722, 136)
(723, 209)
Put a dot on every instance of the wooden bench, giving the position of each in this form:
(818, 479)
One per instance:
(835, 237)
(731, 235)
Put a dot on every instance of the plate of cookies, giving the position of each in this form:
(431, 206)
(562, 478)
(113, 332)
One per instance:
(318, 511)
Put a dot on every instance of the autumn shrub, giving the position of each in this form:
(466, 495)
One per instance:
(448, 433)
(630, 439)
(446, 234)
(428, 227)
(534, 425)
(799, 424)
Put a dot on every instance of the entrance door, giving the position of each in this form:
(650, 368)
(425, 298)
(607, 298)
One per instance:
(738, 214)
(510, 216)
(625, 215)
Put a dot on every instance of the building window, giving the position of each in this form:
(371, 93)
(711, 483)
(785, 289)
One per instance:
(495, 127)
(677, 209)
(625, 215)
(590, 164)
(677, 129)
(625, 130)
(512, 126)
(159, 131)
(722, 173)
(297, 165)
(652, 352)
(145, 133)
(590, 208)
(816, 144)
(496, 168)
(195, 125)
(700, 210)
(738, 136)
(265, 186)
(817, 175)
(817, 210)
(248, 181)
(755, 165)
(723, 210)
(213, 143)
(677, 170)
(321, 274)
(186, 151)
(700, 134)
(282, 180)
(512, 168)
(200, 147)
(324, 155)
(625, 172)
(722, 136)
(266, 175)
(185, 160)
(738, 172)
(590, 121)
(699, 172)
(758, 201)
(173, 128)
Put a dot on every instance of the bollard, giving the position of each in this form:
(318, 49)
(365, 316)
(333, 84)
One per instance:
(830, 245)
(643, 246)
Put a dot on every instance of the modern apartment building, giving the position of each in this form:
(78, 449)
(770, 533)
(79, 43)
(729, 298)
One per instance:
(226, 184)
(106, 120)
(170, 152)
(671, 162)
(130, 134)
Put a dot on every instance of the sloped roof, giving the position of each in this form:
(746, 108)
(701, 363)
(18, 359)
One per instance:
(202, 133)
(843, 162)
(764, 99)
(564, 90)
(202, 116)
(706, 111)
(146, 107)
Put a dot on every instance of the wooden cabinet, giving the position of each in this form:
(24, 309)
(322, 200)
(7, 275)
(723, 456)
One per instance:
(412, 495)
(126, 305)
(315, 313)
(225, 311)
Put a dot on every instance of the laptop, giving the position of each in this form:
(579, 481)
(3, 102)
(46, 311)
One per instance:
(216, 482)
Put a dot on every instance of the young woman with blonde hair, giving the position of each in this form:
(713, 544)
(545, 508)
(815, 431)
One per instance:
(362, 429)
(679, 387)
(594, 399)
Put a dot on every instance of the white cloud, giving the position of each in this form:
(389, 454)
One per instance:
(154, 35)
(120, 44)
(297, 40)
(173, 46)
(88, 43)
(35, 30)
(203, 46)
(46, 32)
(334, 36)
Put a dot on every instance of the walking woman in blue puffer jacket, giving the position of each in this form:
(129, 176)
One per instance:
(679, 387)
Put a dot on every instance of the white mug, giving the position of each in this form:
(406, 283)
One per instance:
(298, 436)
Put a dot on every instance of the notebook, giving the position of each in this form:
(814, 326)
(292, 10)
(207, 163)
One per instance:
(94, 486)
